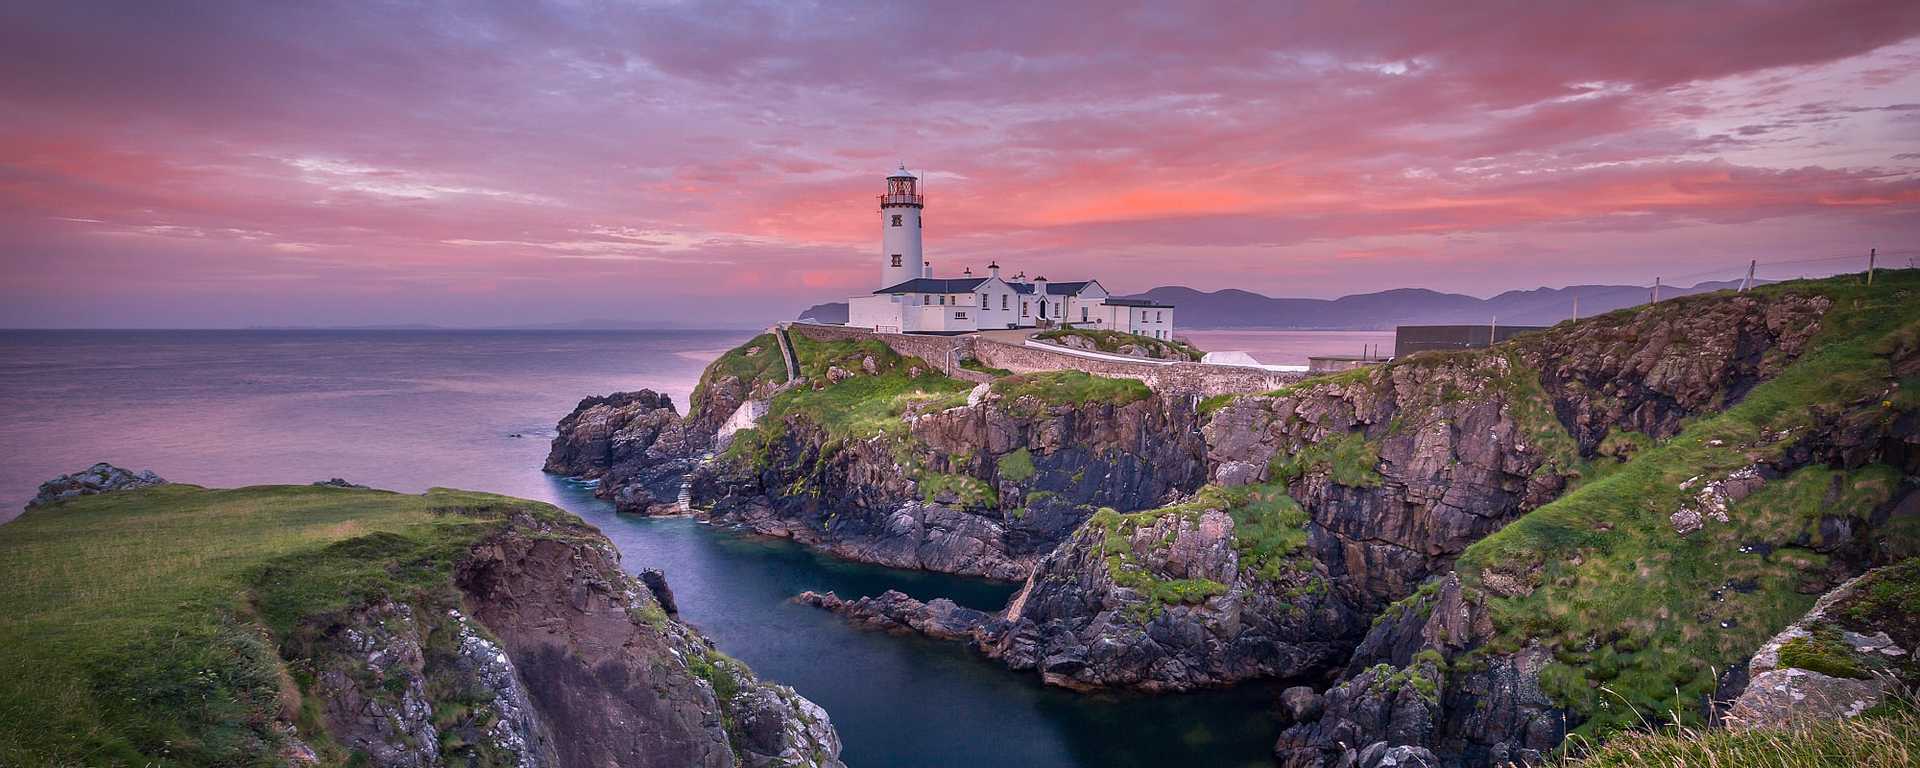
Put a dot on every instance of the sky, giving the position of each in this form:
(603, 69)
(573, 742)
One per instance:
(194, 164)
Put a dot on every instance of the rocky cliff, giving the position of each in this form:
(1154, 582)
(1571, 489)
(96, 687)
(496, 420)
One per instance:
(954, 478)
(1482, 550)
(1769, 453)
(345, 626)
(635, 447)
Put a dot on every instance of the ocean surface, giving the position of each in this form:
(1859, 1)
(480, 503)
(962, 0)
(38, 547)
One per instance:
(409, 410)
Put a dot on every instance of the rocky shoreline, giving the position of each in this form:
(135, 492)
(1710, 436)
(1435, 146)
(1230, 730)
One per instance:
(490, 631)
(1361, 533)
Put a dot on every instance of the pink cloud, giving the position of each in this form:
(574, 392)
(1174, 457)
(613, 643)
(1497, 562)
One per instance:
(644, 161)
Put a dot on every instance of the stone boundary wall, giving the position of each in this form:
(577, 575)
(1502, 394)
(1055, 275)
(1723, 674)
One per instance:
(1199, 379)
(932, 349)
(1168, 378)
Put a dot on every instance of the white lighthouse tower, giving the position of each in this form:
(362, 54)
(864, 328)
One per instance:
(900, 207)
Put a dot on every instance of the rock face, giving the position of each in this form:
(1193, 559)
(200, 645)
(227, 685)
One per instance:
(895, 612)
(1444, 449)
(634, 444)
(598, 654)
(1397, 692)
(99, 478)
(564, 660)
(1838, 660)
(984, 489)
(1167, 604)
(1436, 671)
(1651, 369)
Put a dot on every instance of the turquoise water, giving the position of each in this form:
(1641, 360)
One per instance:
(409, 410)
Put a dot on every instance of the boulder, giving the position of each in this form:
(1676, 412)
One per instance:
(99, 478)
(1301, 704)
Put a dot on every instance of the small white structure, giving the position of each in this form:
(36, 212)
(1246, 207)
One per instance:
(911, 300)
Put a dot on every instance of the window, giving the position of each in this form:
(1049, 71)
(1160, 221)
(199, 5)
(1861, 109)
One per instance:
(983, 301)
(1083, 314)
(943, 301)
(925, 299)
(1003, 301)
(959, 315)
(1056, 309)
(1156, 316)
(896, 219)
(896, 259)
(1023, 309)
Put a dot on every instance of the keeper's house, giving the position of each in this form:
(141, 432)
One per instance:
(912, 300)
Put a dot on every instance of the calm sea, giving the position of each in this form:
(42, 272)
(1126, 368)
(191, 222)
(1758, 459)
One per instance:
(410, 410)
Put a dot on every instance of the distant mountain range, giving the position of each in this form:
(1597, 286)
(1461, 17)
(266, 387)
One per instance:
(589, 324)
(1233, 308)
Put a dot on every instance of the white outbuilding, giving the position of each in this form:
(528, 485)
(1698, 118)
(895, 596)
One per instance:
(911, 299)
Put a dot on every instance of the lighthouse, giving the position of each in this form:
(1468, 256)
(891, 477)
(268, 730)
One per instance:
(900, 207)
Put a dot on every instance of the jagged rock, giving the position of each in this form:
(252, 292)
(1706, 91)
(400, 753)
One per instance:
(635, 444)
(337, 483)
(1301, 704)
(656, 581)
(99, 478)
(895, 612)
(1379, 755)
(857, 500)
(1862, 647)
(1080, 628)
(575, 628)
(1785, 698)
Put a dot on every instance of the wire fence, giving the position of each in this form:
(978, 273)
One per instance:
(1791, 269)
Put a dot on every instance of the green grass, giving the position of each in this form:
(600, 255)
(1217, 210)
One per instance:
(1016, 466)
(1617, 592)
(1888, 595)
(1349, 458)
(1111, 342)
(858, 408)
(1269, 535)
(1269, 530)
(1824, 652)
(137, 627)
(1891, 740)
(1055, 388)
(969, 491)
(745, 364)
(973, 364)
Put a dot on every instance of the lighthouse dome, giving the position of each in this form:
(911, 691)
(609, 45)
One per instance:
(901, 173)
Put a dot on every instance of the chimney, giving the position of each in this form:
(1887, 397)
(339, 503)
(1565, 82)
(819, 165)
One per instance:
(926, 269)
(968, 272)
(993, 269)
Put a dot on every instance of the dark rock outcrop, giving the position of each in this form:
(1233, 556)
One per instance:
(1452, 446)
(1166, 606)
(634, 444)
(895, 612)
(598, 656)
(337, 483)
(984, 489)
(543, 652)
(1841, 658)
(99, 478)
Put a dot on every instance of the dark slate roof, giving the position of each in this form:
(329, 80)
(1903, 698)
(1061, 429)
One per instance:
(1055, 289)
(935, 285)
(1138, 303)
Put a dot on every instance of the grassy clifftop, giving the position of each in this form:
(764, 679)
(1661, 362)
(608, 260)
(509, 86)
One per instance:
(1642, 614)
(136, 627)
